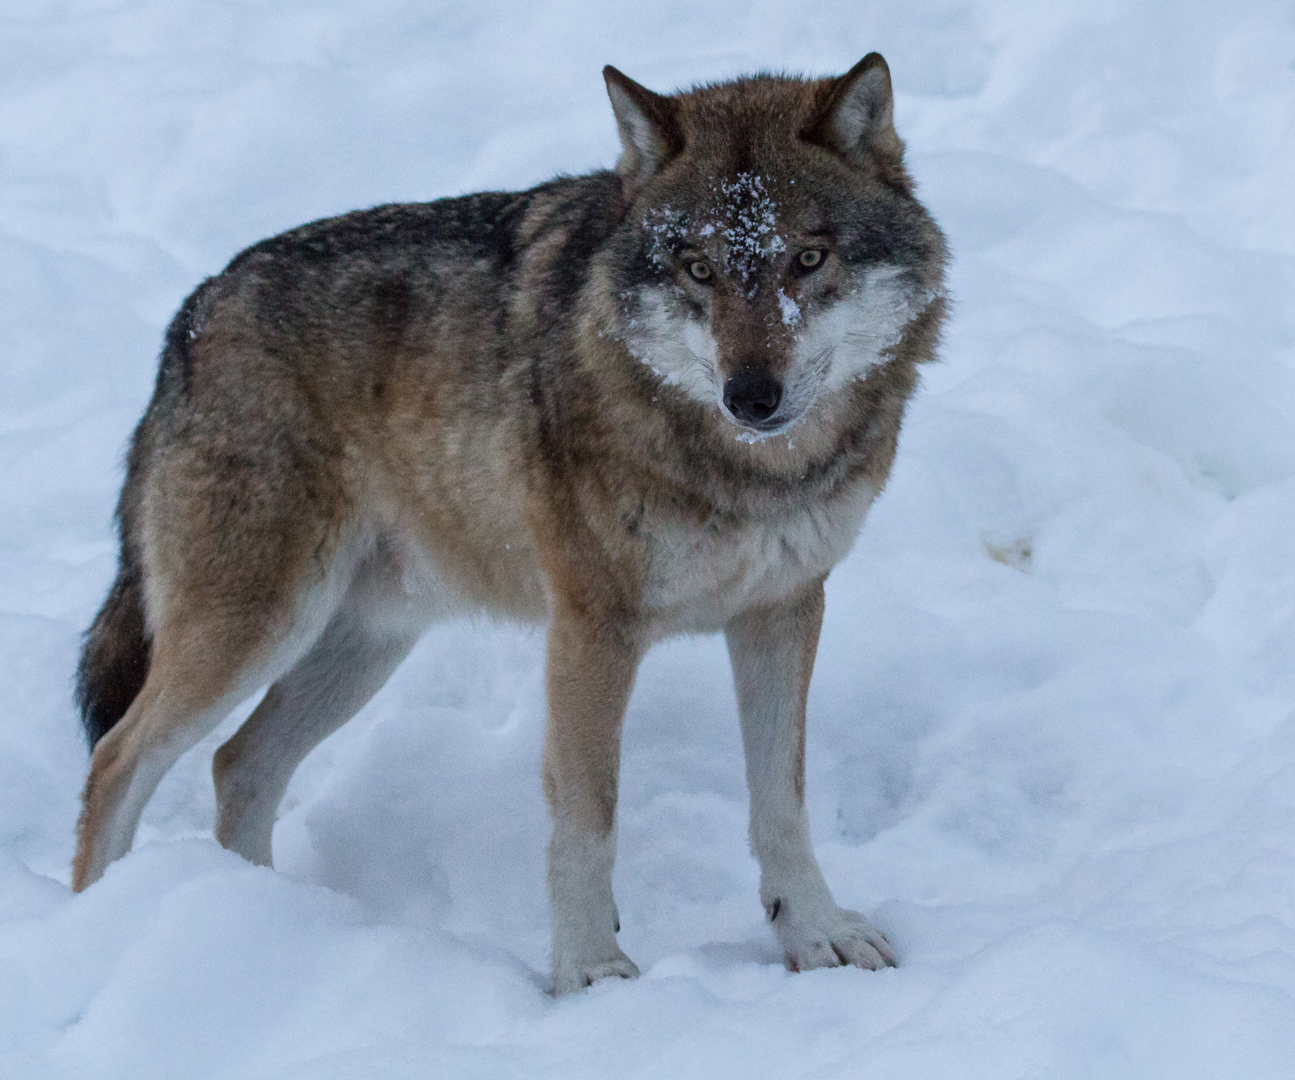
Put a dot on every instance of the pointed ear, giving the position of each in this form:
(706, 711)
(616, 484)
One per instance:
(855, 117)
(648, 123)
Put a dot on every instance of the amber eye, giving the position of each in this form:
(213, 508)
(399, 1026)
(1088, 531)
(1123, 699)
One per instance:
(810, 259)
(700, 270)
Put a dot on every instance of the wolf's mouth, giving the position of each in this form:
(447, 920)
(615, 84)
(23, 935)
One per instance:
(758, 431)
(767, 427)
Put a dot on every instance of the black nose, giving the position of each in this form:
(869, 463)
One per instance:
(752, 396)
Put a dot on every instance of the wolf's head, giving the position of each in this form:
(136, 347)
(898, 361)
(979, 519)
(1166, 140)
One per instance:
(773, 252)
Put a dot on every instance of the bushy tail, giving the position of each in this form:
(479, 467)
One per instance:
(118, 649)
(115, 656)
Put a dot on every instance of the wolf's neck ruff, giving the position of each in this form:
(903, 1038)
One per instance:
(629, 404)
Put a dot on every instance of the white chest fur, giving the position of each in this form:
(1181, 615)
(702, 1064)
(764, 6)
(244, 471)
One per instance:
(700, 577)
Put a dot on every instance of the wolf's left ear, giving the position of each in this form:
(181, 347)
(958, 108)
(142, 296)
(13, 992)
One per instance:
(648, 123)
(855, 116)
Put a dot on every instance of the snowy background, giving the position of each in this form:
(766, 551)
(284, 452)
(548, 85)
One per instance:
(1052, 733)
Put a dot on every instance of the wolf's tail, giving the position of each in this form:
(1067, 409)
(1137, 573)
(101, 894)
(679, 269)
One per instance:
(116, 654)
(118, 648)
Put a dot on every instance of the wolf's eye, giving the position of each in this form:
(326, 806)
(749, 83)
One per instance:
(700, 270)
(811, 259)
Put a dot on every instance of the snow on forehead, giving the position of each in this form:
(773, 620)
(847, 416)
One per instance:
(742, 214)
(748, 222)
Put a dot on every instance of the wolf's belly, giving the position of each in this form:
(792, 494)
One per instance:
(418, 579)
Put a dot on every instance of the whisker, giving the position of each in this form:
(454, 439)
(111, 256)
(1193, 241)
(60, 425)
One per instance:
(821, 361)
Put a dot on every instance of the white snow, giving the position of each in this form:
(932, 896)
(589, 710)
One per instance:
(788, 309)
(1052, 743)
(749, 222)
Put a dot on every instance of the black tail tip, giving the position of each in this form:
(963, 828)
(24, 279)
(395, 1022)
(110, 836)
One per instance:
(114, 659)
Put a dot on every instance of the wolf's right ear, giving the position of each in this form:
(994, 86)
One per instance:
(648, 123)
(855, 117)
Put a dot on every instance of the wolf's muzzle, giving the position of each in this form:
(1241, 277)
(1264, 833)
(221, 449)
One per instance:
(752, 397)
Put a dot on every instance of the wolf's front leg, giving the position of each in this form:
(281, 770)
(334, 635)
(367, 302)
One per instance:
(772, 651)
(591, 669)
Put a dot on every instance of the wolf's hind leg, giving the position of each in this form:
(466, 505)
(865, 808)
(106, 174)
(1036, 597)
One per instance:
(182, 700)
(347, 665)
(772, 651)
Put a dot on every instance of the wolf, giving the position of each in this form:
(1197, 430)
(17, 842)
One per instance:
(643, 402)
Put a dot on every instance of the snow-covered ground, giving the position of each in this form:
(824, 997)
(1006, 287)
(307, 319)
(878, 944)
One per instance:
(1052, 743)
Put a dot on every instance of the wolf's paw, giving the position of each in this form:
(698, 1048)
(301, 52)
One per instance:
(568, 978)
(830, 938)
